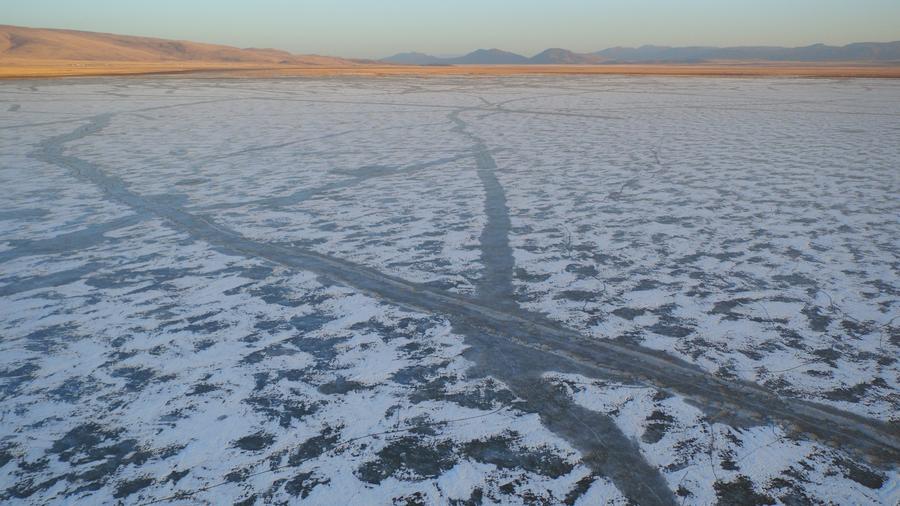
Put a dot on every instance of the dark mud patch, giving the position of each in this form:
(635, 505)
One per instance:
(658, 425)
(204, 344)
(202, 388)
(523, 275)
(50, 339)
(23, 214)
(280, 295)
(175, 476)
(128, 487)
(341, 386)
(794, 280)
(6, 453)
(310, 323)
(646, 284)
(408, 328)
(581, 487)
(204, 327)
(136, 378)
(302, 484)
(418, 374)
(96, 453)
(323, 349)
(818, 322)
(583, 270)
(255, 442)
(285, 411)
(409, 458)
(727, 307)
(828, 356)
(853, 394)
(629, 313)
(87, 440)
(315, 446)
(476, 498)
(502, 451)
(861, 474)
(274, 350)
(486, 396)
(741, 492)
(670, 327)
(192, 181)
(578, 296)
(74, 389)
(11, 379)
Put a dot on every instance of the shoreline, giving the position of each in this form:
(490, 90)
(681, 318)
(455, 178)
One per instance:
(60, 69)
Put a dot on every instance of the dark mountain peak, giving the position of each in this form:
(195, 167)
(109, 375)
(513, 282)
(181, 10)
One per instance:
(556, 51)
(559, 56)
(492, 50)
(491, 56)
(412, 58)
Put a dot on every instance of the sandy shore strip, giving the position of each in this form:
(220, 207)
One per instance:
(51, 69)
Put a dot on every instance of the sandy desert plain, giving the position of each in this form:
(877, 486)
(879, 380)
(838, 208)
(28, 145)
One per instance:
(494, 289)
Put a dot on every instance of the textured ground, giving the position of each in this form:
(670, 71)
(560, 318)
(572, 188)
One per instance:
(540, 290)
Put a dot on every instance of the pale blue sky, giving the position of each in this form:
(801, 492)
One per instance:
(376, 28)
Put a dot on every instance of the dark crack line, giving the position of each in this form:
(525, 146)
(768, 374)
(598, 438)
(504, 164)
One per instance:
(604, 447)
(499, 109)
(451, 107)
(372, 282)
(305, 194)
(271, 147)
(145, 109)
(496, 110)
(496, 254)
(45, 123)
(71, 241)
(20, 285)
(736, 401)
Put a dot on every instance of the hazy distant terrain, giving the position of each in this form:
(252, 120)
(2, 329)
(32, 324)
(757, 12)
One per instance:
(860, 52)
(539, 290)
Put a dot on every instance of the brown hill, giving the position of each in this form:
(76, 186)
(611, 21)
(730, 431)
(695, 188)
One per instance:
(18, 44)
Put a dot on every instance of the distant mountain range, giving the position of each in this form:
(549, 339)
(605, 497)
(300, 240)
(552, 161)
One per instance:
(495, 57)
(859, 52)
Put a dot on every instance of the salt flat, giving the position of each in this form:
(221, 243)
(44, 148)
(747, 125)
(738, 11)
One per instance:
(453, 290)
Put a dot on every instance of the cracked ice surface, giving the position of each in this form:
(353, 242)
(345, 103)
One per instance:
(752, 231)
(170, 366)
(699, 457)
(25, 215)
(280, 290)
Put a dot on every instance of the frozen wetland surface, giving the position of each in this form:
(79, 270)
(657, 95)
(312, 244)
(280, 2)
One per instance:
(566, 290)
